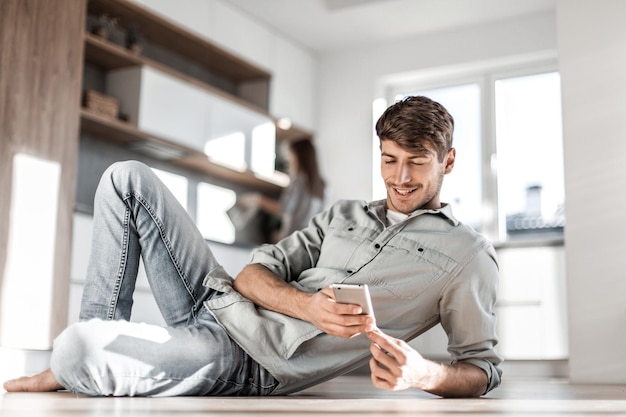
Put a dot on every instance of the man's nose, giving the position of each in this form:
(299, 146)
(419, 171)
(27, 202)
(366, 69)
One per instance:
(402, 174)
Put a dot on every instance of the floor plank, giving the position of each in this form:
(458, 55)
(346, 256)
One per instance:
(344, 396)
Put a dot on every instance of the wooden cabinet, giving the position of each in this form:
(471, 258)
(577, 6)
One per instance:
(195, 62)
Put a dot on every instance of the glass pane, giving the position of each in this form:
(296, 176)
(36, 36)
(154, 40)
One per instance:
(229, 150)
(530, 156)
(212, 220)
(177, 184)
(462, 188)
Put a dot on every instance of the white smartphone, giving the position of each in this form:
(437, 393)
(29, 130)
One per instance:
(354, 294)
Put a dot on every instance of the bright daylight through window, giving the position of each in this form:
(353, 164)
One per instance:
(530, 156)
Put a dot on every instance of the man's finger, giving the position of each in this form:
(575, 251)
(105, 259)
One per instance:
(385, 342)
(380, 376)
(382, 357)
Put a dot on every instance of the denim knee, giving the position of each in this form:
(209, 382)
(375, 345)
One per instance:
(74, 353)
(120, 172)
(123, 177)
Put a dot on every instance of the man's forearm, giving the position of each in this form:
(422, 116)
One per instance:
(265, 289)
(457, 380)
(395, 365)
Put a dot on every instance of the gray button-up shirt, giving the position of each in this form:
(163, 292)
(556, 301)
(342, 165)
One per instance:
(425, 270)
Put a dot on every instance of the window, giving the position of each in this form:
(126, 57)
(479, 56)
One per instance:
(508, 176)
(530, 156)
(206, 203)
(211, 218)
(177, 184)
(229, 150)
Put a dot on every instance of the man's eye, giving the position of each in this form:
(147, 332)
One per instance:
(390, 161)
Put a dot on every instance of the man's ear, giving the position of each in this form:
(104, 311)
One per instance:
(450, 157)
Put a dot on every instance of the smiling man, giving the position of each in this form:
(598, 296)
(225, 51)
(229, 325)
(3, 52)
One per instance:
(412, 169)
(413, 180)
(277, 329)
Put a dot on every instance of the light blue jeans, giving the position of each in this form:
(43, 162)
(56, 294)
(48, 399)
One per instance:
(105, 354)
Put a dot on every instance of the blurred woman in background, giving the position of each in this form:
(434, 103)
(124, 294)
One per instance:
(300, 201)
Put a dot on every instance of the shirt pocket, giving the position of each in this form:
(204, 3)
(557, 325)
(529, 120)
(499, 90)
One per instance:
(343, 237)
(406, 267)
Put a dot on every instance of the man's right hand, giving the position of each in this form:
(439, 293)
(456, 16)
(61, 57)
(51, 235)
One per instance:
(343, 320)
(262, 287)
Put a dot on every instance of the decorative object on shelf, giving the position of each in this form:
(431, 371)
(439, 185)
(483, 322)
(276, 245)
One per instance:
(101, 104)
(134, 38)
(104, 26)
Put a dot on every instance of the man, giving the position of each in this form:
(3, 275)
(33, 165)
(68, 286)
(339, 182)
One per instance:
(276, 329)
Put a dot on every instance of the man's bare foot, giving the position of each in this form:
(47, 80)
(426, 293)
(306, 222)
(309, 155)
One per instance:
(44, 381)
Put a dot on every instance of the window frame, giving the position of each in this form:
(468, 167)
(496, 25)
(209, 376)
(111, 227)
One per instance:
(485, 76)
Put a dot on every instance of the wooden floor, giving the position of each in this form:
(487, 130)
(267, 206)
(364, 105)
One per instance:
(345, 396)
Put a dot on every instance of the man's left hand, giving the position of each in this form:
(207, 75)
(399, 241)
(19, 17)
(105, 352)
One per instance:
(396, 365)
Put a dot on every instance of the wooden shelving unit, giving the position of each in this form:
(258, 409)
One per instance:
(107, 55)
(110, 56)
(162, 32)
(118, 131)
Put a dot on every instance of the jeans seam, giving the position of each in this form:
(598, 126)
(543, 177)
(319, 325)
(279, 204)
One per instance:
(144, 203)
(122, 268)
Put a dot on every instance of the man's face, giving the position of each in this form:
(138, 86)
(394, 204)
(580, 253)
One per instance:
(413, 180)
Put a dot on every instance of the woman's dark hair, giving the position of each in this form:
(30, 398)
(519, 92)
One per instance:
(306, 158)
(417, 120)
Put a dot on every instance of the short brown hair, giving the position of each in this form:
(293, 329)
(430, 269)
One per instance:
(414, 121)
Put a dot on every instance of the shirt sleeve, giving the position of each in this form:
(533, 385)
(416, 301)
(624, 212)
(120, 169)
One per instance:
(468, 315)
(295, 253)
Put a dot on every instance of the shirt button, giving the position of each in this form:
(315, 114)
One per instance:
(349, 271)
(377, 246)
(251, 380)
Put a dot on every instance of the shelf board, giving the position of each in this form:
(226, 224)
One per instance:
(107, 55)
(185, 43)
(123, 132)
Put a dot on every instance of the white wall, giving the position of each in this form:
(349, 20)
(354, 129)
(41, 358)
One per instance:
(592, 49)
(348, 82)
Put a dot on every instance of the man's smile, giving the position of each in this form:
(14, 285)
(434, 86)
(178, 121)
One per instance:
(404, 191)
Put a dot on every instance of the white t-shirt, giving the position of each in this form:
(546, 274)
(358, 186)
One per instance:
(393, 217)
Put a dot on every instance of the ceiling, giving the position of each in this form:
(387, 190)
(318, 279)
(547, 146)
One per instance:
(325, 25)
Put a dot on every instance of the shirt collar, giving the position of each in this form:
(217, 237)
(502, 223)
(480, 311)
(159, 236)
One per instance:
(379, 207)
